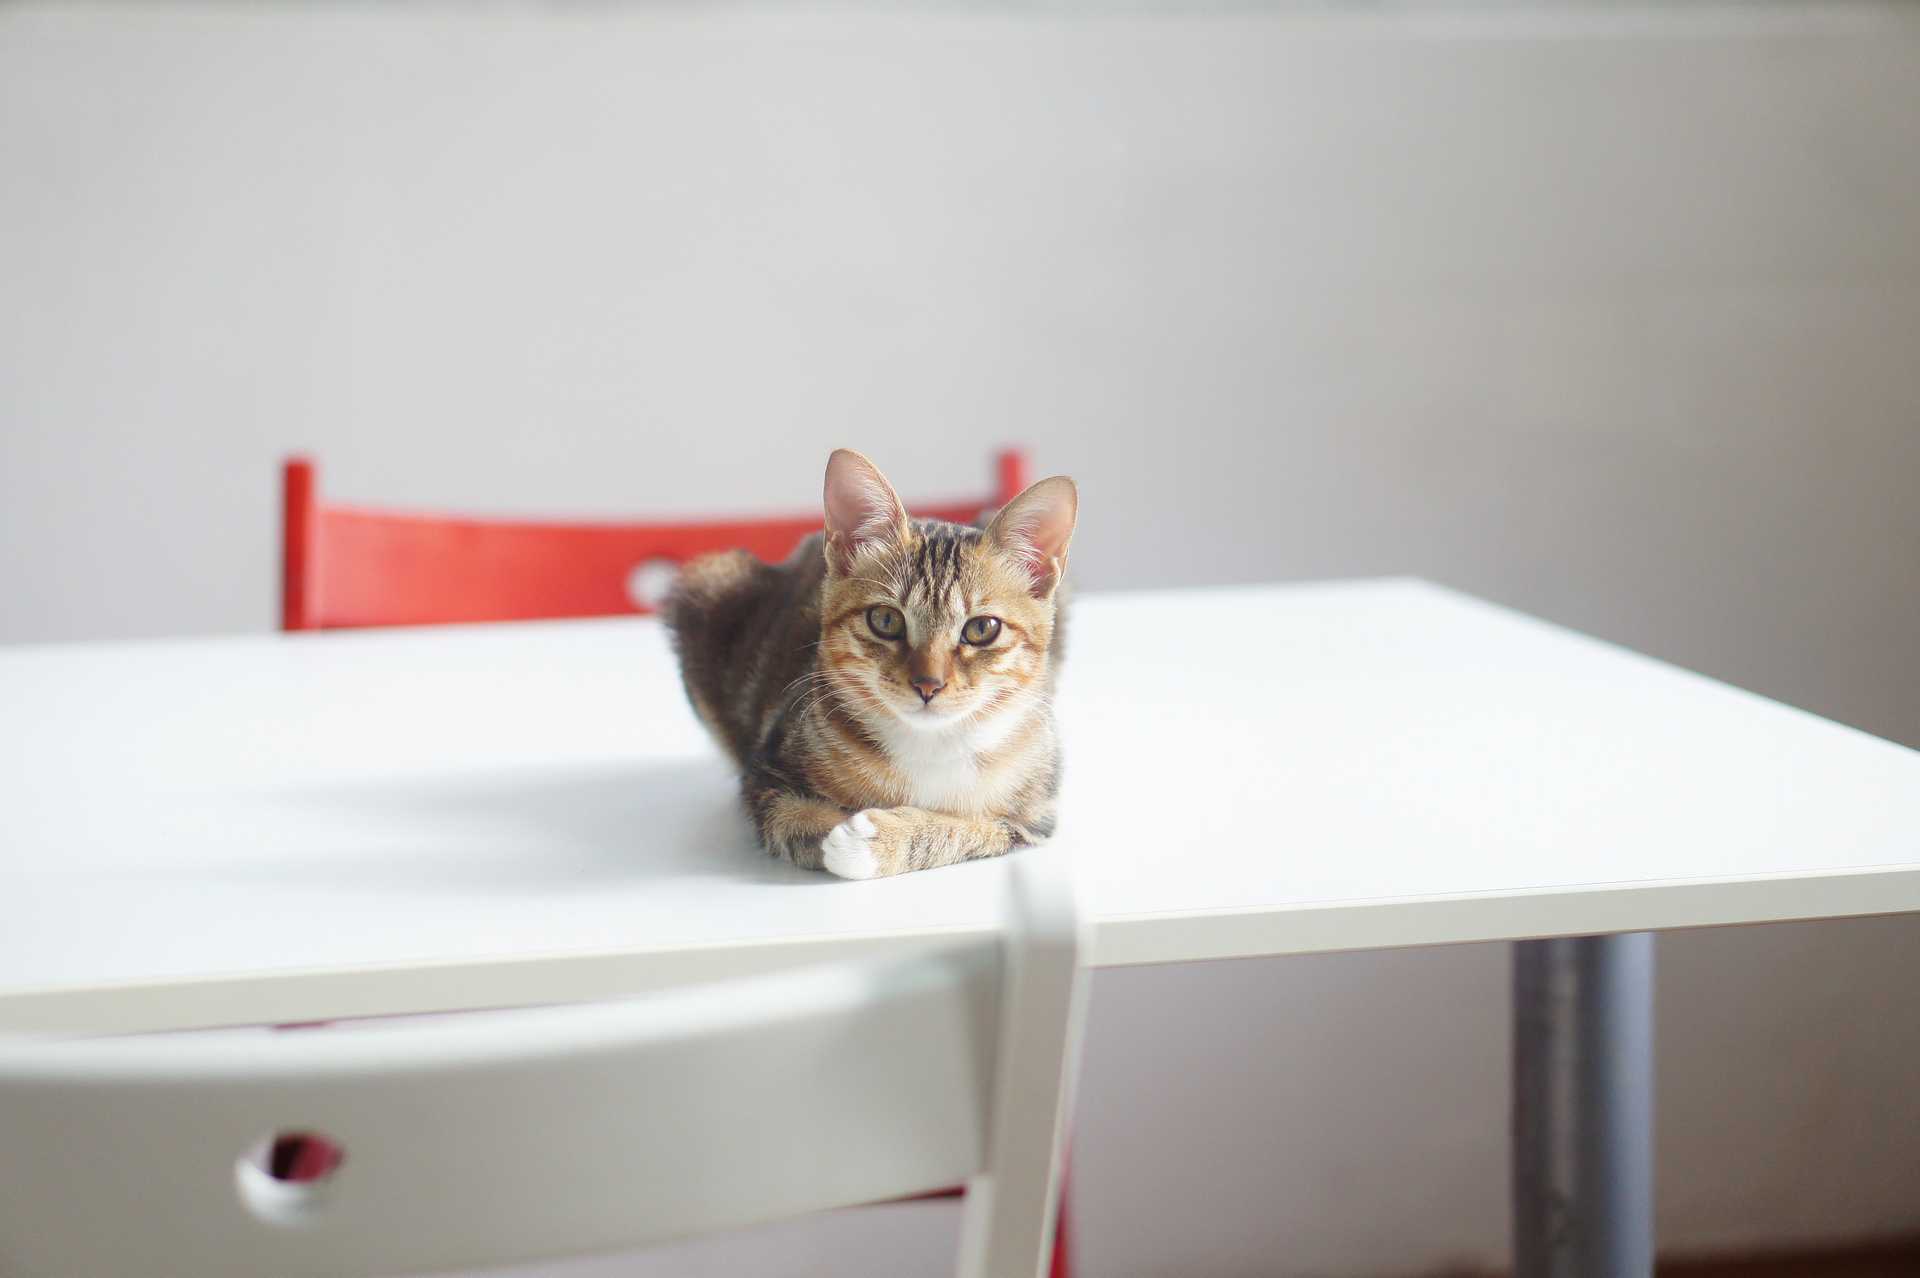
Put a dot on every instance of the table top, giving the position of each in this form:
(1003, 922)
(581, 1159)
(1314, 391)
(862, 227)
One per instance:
(294, 827)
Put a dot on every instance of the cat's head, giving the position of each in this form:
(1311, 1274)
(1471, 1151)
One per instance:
(933, 624)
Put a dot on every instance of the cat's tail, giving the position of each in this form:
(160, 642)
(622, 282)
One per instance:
(705, 610)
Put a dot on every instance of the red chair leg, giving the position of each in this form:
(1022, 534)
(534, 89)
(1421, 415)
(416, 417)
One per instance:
(1062, 1235)
(1063, 1221)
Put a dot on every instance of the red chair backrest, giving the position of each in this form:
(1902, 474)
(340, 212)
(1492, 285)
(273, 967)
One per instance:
(345, 566)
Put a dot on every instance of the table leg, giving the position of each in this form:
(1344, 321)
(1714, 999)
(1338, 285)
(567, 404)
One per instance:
(1583, 1107)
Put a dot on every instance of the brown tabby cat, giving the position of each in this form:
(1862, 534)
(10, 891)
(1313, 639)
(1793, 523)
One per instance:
(887, 691)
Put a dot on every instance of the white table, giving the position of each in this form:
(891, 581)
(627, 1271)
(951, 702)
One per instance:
(289, 828)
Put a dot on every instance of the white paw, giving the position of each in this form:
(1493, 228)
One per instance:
(848, 848)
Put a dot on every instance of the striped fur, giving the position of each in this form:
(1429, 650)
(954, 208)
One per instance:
(845, 764)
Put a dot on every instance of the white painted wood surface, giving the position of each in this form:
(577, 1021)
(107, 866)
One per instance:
(512, 1136)
(283, 828)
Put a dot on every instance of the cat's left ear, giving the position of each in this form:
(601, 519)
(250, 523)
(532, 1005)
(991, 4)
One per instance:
(862, 509)
(1035, 528)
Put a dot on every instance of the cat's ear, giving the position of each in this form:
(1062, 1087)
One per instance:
(862, 509)
(1035, 528)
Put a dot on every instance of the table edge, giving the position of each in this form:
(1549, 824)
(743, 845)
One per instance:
(300, 995)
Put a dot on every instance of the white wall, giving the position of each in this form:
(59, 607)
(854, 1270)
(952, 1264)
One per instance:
(1613, 317)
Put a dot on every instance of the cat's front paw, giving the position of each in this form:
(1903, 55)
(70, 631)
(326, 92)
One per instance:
(861, 847)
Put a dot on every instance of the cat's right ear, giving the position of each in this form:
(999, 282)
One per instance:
(862, 509)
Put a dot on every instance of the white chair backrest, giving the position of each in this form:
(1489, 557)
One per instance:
(505, 1136)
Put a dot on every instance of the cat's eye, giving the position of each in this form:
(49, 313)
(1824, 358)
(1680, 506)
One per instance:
(886, 622)
(980, 631)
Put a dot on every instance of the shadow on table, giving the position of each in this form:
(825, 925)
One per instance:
(560, 830)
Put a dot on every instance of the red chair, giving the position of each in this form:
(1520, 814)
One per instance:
(344, 566)
(347, 565)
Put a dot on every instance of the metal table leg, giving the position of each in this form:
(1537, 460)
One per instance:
(1583, 1107)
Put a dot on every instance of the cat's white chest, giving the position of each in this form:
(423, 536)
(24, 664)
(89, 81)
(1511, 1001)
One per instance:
(940, 770)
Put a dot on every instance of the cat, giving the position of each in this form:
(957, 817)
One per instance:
(887, 691)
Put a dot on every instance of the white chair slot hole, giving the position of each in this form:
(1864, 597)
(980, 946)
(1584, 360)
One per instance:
(284, 1178)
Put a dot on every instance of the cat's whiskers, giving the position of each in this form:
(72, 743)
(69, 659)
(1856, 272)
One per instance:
(1009, 721)
(808, 677)
(823, 691)
(1033, 693)
(812, 698)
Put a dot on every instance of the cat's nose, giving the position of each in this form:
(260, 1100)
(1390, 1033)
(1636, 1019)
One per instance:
(927, 686)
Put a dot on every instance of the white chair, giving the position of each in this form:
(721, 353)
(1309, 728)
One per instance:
(505, 1136)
